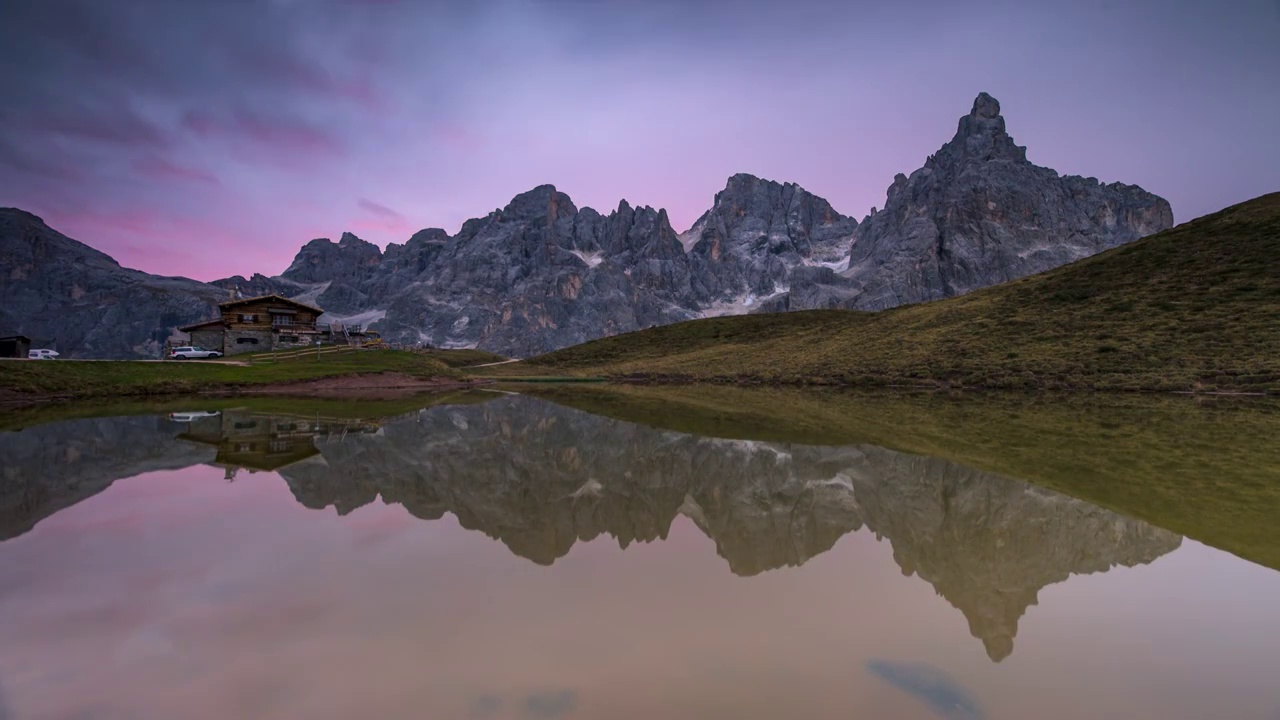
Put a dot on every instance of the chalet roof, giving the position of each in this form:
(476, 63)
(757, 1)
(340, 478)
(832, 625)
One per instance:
(21, 338)
(277, 298)
(197, 326)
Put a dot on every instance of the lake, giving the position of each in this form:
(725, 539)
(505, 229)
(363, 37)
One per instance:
(596, 553)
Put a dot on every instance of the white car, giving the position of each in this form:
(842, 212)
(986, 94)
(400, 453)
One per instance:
(190, 352)
(42, 354)
(191, 415)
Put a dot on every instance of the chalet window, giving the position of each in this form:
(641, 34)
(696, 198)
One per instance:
(278, 320)
(246, 341)
(279, 446)
(248, 318)
(289, 338)
(245, 425)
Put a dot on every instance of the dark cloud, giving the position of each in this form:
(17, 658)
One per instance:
(551, 705)
(381, 211)
(484, 707)
(943, 695)
(162, 169)
(444, 110)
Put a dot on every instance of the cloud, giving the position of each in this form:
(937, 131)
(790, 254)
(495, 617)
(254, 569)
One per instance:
(484, 707)
(932, 686)
(381, 211)
(286, 136)
(162, 169)
(448, 109)
(551, 705)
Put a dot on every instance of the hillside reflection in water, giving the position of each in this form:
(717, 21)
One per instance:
(251, 565)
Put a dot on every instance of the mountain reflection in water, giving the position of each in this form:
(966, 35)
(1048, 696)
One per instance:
(540, 477)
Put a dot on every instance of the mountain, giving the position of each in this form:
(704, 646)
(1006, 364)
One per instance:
(64, 294)
(541, 274)
(977, 214)
(1194, 308)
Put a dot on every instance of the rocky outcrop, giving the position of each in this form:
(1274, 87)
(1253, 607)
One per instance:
(977, 214)
(67, 296)
(746, 248)
(540, 478)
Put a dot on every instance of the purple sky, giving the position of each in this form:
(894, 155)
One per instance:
(214, 138)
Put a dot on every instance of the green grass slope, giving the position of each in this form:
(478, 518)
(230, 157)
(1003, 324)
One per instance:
(1196, 307)
(72, 379)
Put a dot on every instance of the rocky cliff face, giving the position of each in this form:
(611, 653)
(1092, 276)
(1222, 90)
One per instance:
(757, 239)
(541, 274)
(977, 214)
(540, 478)
(67, 296)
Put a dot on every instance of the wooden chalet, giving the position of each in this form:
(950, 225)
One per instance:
(257, 324)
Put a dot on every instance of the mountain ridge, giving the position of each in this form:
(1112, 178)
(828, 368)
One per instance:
(1189, 309)
(540, 273)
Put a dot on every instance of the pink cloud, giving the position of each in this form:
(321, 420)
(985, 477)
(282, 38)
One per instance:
(300, 74)
(158, 168)
(120, 127)
(166, 245)
(384, 220)
(457, 136)
(243, 127)
(380, 210)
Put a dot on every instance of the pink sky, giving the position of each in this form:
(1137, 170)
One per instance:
(215, 139)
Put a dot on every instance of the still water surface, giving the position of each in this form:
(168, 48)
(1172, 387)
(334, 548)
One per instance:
(519, 559)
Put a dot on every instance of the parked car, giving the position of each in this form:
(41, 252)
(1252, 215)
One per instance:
(42, 354)
(191, 352)
(191, 415)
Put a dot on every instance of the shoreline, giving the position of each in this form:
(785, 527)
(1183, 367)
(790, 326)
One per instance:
(394, 385)
(363, 386)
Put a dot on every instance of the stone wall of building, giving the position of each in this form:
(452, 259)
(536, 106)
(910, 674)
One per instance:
(247, 341)
(210, 339)
(285, 340)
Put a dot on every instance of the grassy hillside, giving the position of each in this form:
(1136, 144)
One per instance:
(1196, 307)
(1203, 468)
(67, 379)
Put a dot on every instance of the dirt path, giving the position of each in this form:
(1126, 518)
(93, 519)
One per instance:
(500, 362)
(375, 386)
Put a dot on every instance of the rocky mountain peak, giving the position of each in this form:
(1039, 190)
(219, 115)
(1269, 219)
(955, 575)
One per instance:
(542, 202)
(981, 136)
(428, 235)
(985, 106)
(979, 213)
(322, 260)
(349, 239)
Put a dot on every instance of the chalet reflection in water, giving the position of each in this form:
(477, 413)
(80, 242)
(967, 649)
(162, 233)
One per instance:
(261, 442)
